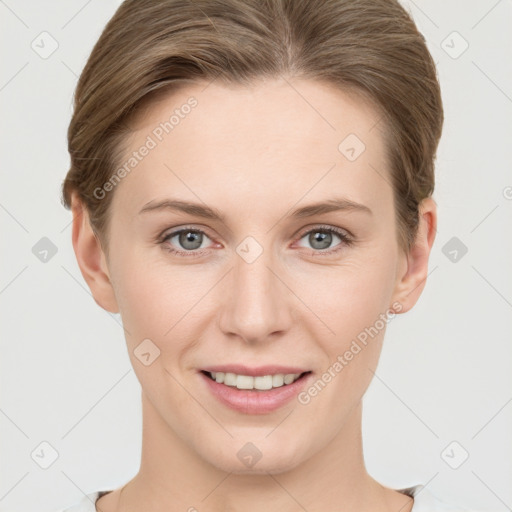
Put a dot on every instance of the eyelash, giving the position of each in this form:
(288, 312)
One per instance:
(346, 241)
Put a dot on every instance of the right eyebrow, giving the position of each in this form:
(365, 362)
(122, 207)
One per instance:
(191, 208)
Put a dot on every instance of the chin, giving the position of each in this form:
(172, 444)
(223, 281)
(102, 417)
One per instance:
(248, 459)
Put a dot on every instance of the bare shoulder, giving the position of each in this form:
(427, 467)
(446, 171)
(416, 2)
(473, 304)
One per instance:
(108, 502)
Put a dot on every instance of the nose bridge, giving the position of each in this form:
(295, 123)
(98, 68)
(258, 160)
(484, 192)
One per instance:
(257, 301)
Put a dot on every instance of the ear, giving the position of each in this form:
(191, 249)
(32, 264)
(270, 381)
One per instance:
(91, 258)
(412, 280)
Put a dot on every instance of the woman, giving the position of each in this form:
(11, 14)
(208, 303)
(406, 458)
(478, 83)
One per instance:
(251, 190)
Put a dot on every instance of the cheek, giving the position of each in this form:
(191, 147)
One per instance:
(155, 299)
(153, 296)
(352, 297)
(354, 309)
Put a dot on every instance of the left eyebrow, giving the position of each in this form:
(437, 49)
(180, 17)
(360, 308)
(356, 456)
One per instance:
(201, 210)
(341, 204)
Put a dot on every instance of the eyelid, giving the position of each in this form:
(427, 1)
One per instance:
(326, 227)
(347, 239)
(176, 230)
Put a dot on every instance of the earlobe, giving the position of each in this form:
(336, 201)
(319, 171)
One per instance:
(91, 259)
(410, 283)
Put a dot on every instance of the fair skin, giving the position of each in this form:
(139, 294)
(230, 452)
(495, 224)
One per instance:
(255, 154)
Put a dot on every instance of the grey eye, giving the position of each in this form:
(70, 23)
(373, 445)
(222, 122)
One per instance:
(320, 240)
(188, 239)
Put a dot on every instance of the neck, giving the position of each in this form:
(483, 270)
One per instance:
(173, 477)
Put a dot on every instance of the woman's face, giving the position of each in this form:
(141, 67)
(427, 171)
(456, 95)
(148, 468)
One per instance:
(264, 285)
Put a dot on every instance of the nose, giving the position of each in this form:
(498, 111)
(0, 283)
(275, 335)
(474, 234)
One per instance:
(257, 302)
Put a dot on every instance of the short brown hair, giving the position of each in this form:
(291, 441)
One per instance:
(371, 47)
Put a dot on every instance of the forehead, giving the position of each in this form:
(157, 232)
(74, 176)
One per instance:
(272, 141)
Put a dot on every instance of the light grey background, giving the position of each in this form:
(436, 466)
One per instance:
(445, 372)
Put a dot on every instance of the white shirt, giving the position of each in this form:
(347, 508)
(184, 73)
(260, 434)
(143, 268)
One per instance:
(424, 501)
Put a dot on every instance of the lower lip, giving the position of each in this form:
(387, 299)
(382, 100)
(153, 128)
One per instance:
(254, 401)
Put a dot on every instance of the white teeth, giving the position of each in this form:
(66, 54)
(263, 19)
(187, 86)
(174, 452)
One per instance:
(229, 379)
(277, 380)
(244, 381)
(263, 382)
(247, 382)
(288, 379)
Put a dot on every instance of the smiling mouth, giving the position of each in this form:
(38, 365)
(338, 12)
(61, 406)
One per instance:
(261, 383)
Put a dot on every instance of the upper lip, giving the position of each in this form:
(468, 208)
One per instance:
(258, 371)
